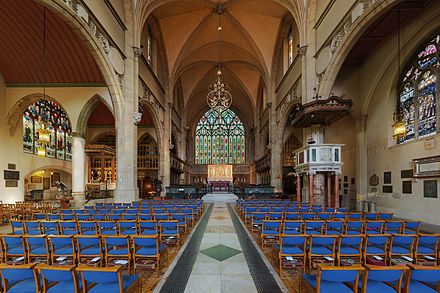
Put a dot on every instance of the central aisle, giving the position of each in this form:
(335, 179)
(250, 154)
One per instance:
(220, 265)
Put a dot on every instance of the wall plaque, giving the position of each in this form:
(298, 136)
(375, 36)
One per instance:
(387, 177)
(11, 175)
(405, 174)
(407, 187)
(430, 188)
(427, 167)
(11, 183)
(374, 180)
(11, 166)
(387, 189)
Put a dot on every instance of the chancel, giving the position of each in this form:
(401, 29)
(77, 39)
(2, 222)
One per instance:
(219, 146)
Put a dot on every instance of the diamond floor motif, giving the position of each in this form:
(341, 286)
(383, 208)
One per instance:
(220, 252)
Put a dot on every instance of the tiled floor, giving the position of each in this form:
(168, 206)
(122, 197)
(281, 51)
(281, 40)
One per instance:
(220, 264)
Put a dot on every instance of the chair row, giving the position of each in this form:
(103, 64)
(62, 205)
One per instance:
(292, 215)
(163, 215)
(345, 249)
(130, 250)
(45, 278)
(332, 227)
(148, 227)
(371, 278)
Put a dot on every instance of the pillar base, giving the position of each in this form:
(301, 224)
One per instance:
(126, 195)
(79, 199)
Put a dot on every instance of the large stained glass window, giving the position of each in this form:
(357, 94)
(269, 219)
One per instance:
(220, 138)
(418, 92)
(60, 146)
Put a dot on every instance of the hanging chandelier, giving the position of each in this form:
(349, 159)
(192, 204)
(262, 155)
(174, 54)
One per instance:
(219, 98)
(43, 131)
(399, 125)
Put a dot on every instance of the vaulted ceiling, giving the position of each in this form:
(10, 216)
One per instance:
(249, 33)
(22, 47)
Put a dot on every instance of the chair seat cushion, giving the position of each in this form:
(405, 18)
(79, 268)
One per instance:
(63, 287)
(374, 250)
(91, 251)
(64, 251)
(16, 250)
(291, 232)
(292, 250)
(349, 250)
(149, 232)
(415, 286)
(353, 232)
(327, 287)
(169, 232)
(321, 250)
(271, 232)
(377, 286)
(110, 287)
(118, 251)
(425, 250)
(400, 250)
(146, 251)
(333, 232)
(38, 250)
(26, 286)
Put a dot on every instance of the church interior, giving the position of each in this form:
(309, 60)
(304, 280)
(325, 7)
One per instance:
(219, 146)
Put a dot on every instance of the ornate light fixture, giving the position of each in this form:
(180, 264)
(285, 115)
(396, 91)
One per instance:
(219, 98)
(43, 131)
(399, 125)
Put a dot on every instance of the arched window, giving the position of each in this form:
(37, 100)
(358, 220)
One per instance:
(148, 154)
(290, 52)
(220, 139)
(418, 92)
(149, 46)
(60, 146)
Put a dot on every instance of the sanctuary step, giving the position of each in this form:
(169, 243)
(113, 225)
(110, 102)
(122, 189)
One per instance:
(219, 197)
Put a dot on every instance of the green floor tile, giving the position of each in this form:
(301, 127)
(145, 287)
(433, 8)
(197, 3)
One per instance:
(220, 252)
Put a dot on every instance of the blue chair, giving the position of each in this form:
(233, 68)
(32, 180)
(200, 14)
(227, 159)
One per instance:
(382, 279)
(181, 219)
(63, 247)
(292, 216)
(393, 227)
(248, 212)
(59, 279)
(100, 217)
(355, 216)
(54, 217)
(147, 228)
(308, 216)
(68, 227)
(127, 227)
(107, 227)
(87, 228)
(39, 216)
(427, 247)
(323, 216)
(89, 247)
(270, 231)
(329, 210)
(342, 210)
(146, 248)
(145, 217)
(376, 246)
(314, 227)
(334, 227)
(107, 280)
(322, 246)
(275, 216)
(339, 216)
(169, 230)
(350, 246)
(354, 227)
(84, 217)
(402, 245)
(316, 209)
(412, 227)
(17, 227)
(331, 279)
(37, 247)
(189, 215)
(129, 217)
(294, 246)
(20, 278)
(293, 227)
(113, 217)
(68, 217)
(386, 216)
(422, 279)
(161, 217)
(50, 227)
(32, 227)
(374, 227)
(117, 248)
(371, 216)
(13, 247)
(304, 209)
(257, 221)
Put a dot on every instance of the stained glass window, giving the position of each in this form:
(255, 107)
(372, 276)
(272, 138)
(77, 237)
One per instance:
(60, 146)
(220, 139)
(418, 92)
(149, 46)
(290, 47)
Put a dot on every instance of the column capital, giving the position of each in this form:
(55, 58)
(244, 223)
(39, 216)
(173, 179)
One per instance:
(137, 52)
(302, 51)
(78, 134)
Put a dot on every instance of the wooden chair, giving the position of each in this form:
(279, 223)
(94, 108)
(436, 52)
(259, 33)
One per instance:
(333, 279)
(59, 279)
(117, 248)
(422, 279)
(20, 278)
(350, 246)
(382, 278)
(89, 247)
(106, 279)
(147, 247)
(294, 246)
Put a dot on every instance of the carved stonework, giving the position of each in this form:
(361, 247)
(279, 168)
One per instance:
(302, 51)
(120, 80)
(150, 99)
(318, 81)
(291, 98)
(137, 52)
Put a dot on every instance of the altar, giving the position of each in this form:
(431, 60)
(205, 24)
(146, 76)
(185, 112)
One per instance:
(220, 178)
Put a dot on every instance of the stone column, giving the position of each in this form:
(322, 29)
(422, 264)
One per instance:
(78, 169)
(298, 188)
(336, 198)
(126, 132)
(319, 189)
(311, 195)
(361, 155)
(164, 168)
(329, 190)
